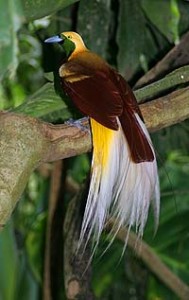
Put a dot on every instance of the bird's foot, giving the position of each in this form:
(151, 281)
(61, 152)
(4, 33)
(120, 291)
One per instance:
(80, 124)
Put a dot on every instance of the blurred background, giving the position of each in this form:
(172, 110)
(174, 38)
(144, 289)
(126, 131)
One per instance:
(134, 37)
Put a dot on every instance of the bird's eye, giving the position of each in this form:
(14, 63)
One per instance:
(69, 37)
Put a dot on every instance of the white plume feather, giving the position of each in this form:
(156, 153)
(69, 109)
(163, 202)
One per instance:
(119, 188)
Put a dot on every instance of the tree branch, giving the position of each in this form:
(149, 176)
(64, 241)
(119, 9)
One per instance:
(167, 110)
(169, 82)
(27, 142)
(178, 56)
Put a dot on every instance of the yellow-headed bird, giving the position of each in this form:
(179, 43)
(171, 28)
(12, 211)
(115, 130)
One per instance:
(124, 177)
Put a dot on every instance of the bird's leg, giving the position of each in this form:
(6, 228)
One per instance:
(82, 124)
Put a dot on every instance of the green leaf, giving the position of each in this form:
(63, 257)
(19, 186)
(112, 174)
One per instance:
(184, 16)
(134, 39)
(27, 287)
(43, 103)
(104, 263)
(174, 22)
(167, 21)
(93, 24)
(35, 245)
(11, 18)
(16, 282)
(9, 260)
(80, 168)
(172, 236)
(36, 9)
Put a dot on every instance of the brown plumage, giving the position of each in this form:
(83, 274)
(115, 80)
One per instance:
(101, 93)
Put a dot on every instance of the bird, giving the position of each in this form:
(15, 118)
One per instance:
(124, 178)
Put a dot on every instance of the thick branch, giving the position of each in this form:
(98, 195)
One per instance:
(160, 87)
(27, 142)
(178, 56)
(166, 111)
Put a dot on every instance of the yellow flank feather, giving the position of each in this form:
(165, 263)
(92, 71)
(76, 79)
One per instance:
(102, 140)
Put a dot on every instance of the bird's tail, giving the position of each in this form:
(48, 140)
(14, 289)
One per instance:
(119, 187)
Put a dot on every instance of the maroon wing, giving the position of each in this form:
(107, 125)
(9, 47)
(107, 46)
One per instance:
(103, 94)
(97, 97)
(140, 148)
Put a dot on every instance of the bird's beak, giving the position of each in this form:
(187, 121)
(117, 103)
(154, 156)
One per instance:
(54, 39)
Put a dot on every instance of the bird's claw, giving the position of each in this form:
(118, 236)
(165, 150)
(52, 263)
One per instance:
(78, 123)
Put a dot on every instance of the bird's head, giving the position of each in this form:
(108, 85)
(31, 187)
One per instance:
(70, 41)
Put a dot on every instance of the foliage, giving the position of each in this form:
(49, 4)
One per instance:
(132, 36)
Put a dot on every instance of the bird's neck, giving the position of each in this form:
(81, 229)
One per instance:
(78, 49)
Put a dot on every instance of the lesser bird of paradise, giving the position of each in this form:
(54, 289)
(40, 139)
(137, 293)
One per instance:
(124, 178)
